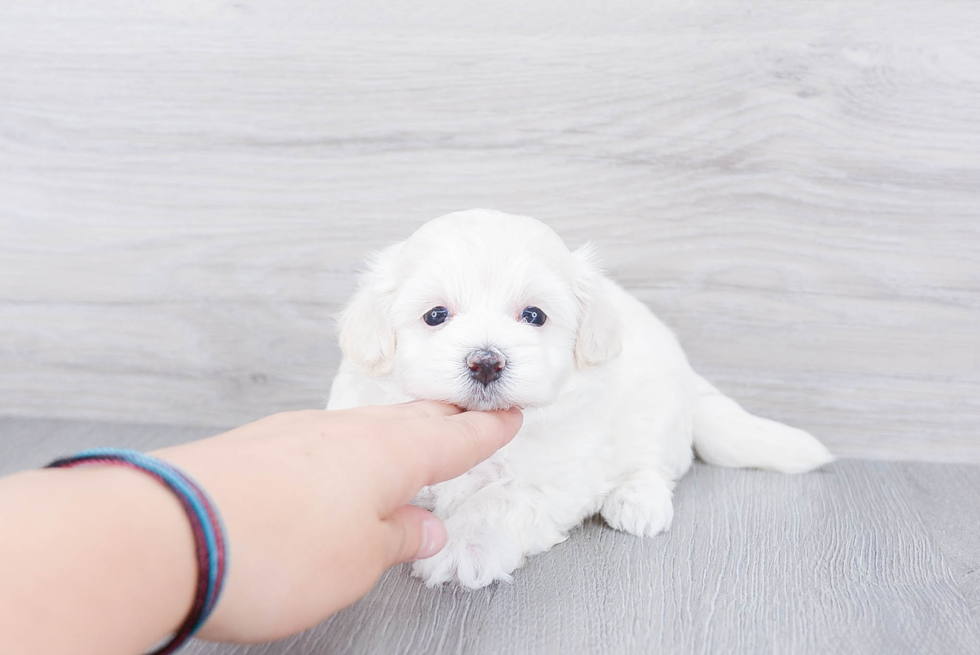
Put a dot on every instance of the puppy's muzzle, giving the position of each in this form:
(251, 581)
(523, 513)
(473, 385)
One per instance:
(485, 365)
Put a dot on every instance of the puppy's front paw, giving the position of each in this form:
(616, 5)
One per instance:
(474, 558)
(639, 506)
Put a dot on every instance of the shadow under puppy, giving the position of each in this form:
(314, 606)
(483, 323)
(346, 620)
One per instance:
(487, 310)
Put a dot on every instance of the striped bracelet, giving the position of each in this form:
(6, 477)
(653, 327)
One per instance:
(209, 538)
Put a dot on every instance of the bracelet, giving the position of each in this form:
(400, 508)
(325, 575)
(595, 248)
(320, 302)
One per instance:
(205, 522)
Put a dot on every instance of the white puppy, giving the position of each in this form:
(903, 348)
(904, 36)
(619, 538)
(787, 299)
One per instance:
(487, 310)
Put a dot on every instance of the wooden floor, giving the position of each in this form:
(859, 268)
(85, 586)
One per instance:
(187, 189)
(862, 557)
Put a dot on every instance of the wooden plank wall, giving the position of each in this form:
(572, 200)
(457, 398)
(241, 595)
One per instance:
(186, 192)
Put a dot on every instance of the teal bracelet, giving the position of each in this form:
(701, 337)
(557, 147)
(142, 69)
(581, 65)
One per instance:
(209, 537)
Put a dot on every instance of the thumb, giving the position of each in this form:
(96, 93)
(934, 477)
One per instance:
(413, 533)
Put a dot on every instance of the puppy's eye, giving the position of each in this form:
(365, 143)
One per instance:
(436, 315)
(533, 315)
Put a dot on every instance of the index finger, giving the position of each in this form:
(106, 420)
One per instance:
(445, 447)
(462, 441)
(414, 409)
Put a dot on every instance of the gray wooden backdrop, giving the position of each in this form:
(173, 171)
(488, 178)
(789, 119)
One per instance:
(186, 192)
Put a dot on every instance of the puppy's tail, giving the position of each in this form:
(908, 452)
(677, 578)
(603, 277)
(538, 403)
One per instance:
(727, 435)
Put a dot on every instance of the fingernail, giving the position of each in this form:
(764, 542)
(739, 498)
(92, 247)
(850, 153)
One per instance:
(433, 538)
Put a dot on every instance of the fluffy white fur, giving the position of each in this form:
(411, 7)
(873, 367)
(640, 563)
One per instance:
(611, 405)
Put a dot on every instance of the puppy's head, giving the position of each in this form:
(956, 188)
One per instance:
(481, 309)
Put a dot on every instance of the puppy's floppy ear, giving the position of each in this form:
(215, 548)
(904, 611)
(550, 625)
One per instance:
(599, 333)
(366, 334)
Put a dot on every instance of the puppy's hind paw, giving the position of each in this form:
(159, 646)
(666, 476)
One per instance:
(640, 506)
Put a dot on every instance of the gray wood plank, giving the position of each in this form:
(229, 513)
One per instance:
(948, 499)
(186, 192)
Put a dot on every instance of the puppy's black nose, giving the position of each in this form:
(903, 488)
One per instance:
(485, 365)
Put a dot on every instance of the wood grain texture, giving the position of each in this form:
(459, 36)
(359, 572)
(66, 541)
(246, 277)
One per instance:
(187, 191)
(948, 499)
(862, 557)
(756, 563)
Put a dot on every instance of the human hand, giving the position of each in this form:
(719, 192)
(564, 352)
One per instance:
(315, 504)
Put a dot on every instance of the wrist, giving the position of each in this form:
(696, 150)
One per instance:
(111, 542)
(202, 516)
